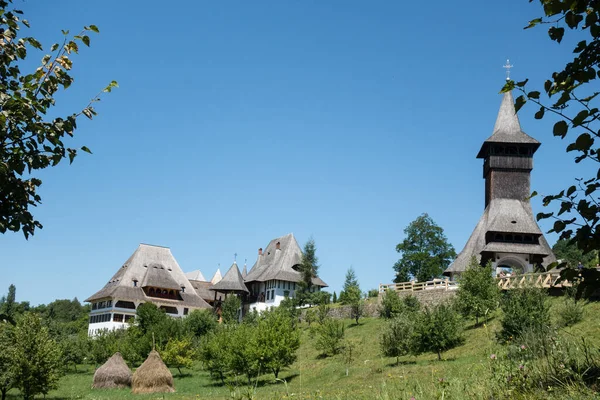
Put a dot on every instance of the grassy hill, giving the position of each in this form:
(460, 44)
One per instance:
(464, 373)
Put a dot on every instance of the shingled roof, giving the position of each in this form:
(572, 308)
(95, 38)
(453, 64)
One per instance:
(279, 263)
(231, 282)
(195, 276)
(507, 128)
(150, 266)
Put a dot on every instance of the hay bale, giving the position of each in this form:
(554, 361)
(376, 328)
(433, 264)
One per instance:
(152, 376)
(114, 373)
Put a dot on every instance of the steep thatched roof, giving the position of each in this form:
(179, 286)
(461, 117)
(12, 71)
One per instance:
(195, 276)
(216, 277)
(152, 376)
(114, 373)
(150, 266)
(278, 262)
(231, 282)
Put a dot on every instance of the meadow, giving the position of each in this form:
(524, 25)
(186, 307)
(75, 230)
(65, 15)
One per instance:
(464, 373)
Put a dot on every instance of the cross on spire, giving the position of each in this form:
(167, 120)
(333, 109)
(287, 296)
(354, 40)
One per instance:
(234, 257)
(507, 66)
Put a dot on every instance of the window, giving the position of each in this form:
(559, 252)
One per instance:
(294, 285)
(185, 311)
(135, 283)
(109, 303)
(273, 294)
(125, 304)
(128, 318)
(268, 294)
(117, 317)
(278, 283)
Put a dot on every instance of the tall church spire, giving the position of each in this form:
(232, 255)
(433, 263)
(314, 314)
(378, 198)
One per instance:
(507, 121)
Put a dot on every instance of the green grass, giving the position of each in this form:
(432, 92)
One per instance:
(463, 374)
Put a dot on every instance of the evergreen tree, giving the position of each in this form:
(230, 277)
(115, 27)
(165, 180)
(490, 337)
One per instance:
(335, 299)
(478, 293)
(230, 309)
(351, 282)
(309, 267)
(425, 251)
(8, 306)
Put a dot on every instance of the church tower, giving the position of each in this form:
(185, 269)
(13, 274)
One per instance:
(507, 233)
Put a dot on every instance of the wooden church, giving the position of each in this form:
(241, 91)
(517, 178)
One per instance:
(507, 233)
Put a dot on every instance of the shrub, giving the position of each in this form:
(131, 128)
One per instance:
(230, 310)
(373, 293)
(411, 304)
(398, 337)
(322, 313)
(179, 353)
(438, 329)
(330, 336)
(569, 312)
(200, 322)
(524, 309)
(391, 305)
(215, 353)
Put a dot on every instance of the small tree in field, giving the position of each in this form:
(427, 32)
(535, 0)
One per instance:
(331, 335)
(399, 337)
(200, 322)
(478, 293)
(523, 309)
(439, 329)
(354, 300)
(7, 360)
(37, 358)
(215, 353)
(277, 341)
(179, 353)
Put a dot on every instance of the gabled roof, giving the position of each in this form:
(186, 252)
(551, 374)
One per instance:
(195, 276)
(498, 217)
(203, 289)
(150, 266)
(507, 128)
(216, 277)
(276, 263)
(231, 282)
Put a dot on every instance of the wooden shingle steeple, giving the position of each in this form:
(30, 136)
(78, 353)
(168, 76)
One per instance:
(507, 233)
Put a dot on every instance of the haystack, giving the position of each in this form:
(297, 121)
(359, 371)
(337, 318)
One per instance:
(152, 376)
(114, 373)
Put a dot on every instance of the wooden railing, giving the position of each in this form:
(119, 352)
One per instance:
(541, 280)
(436, 284)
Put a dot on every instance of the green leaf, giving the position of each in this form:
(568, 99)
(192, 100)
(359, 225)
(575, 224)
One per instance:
(560, 129)
(87, 150)
(54, 47)
(520, 102)
(540, 113)
(533, 95)
(533, 23)
(87, 112)
(556, 34)
(86, 40)
(93, 28)
(522, 83)
(558, 226)
(571, 190)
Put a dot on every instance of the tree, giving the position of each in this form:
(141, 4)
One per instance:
(350, 282)
(309, 265)
(399, 337)
(29, 139)
(277, 341)
(230, 309)
(7, 359)
(149, 317)
(354, 299)
(569, 253)
(335, 299)
(478, 292)
(438, 329)
(37, 357)
(7, 305)
(425, 251)
(179, 353)
(200, 322)
(572, 96)
(391, 305)
(215, 354)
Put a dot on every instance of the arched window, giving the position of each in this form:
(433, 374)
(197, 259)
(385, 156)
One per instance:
(151, 291)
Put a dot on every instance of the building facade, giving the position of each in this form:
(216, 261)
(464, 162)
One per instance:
(150, 275)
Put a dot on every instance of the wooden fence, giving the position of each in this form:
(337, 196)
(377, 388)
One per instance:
(542, 280)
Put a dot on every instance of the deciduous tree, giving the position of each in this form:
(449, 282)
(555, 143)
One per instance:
(478, 293)
(425, 251)
(439, 329)
(30, 140)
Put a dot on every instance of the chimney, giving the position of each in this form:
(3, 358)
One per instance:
(278, 246)
(260, 251)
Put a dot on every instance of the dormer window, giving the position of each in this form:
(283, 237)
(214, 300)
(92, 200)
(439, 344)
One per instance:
(135, 282)
(183, 289)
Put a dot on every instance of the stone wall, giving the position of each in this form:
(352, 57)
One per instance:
(426, 297)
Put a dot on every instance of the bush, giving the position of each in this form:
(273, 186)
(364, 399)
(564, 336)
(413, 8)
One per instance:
(230, 309)
(373, 293)
(478, 293)
(398, 337)
(331, 335)
(200, 322)
(569, 312)
(524, 309)
(391, 305)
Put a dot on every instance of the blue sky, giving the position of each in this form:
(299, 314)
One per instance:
(237, 122)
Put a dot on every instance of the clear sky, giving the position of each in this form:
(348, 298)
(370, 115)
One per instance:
(237, 122)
